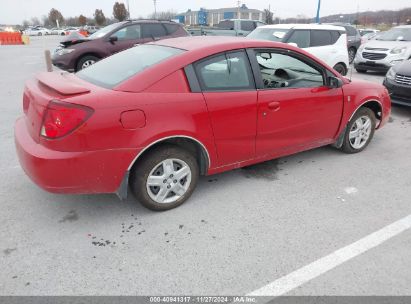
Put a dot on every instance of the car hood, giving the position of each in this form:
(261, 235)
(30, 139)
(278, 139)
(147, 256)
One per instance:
(74, 38)
(386, 44)
(403, 68)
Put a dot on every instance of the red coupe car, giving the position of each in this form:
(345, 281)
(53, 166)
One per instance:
(156, 116)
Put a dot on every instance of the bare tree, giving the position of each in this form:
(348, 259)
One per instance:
(99, 17)
(268, 16)
(82, 20)
(55, 15)
(165, 15)
(35, 21)
(120, 11)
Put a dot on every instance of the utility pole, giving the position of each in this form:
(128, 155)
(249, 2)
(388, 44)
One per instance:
(238, 9)
(155, 9)
(317, 19)
(128, 9)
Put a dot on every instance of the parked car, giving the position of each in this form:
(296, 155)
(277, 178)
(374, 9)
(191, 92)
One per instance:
(327, 42)
(368, 31)
(353, 40)
(156, 116)
(398, 83)
(57, 31)
(37, 31)
(80, 52)
(390, 48)
(91, 29)
(228, 27)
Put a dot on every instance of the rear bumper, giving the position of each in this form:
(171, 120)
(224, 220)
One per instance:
(400, 94)
(71, 172)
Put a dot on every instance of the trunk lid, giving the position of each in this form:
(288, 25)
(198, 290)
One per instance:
(40, 91)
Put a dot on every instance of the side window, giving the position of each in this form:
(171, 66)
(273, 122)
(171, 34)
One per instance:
(320, 38)
(335, 35)
(130, 32)
(247, 26)
(301, 38)
(225, 72)
(284, 71)
(226, 24)
(171, 28)
(351, 31)
(154, 30)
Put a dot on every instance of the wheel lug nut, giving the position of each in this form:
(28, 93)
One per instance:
(175, 181)
(168, 187)
(171, 175)
(165, 181)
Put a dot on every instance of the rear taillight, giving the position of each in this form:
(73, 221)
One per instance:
(61, 118)
(26, 103)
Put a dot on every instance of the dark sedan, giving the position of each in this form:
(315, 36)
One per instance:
(78, 52)
(398, 83)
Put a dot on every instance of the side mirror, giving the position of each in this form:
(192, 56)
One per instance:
(293, 44)
(334, 82)
(113, 39)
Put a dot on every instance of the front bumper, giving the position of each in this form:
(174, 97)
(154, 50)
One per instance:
(71, 172)
(382, 65)
(400, 94)
(63, 62)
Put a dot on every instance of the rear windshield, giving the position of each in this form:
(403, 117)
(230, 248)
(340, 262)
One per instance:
(113, 70)
(271, 34)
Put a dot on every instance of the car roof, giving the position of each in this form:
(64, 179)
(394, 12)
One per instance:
(305, 27)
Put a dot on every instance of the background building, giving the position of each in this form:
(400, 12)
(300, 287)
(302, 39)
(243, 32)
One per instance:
(214, 16)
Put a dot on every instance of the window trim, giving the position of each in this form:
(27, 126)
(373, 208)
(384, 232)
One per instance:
(252, 55)
(250, 73)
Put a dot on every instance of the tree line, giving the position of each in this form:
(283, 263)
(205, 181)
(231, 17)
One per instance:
(55, 18)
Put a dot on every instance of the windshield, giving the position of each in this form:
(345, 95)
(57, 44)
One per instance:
(396, 34)
(104, 31)
(271, 34)
(113, 70)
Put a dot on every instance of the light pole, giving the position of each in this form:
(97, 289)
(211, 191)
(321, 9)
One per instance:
(317, 19)
(128, 9)
(155, 9)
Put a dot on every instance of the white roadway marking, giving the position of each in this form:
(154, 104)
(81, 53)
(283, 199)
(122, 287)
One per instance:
(301, 276)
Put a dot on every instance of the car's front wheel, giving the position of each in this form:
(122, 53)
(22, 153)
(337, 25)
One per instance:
(165, 178)
(360, 130)
(86, 61)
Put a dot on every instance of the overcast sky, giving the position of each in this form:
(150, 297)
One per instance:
(15, 11)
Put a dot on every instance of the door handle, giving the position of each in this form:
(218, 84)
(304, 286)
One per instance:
(274, 105)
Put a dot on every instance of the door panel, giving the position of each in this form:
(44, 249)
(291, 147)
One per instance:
(233, 118)
(229, 91)
(292, 119)
(296, 110)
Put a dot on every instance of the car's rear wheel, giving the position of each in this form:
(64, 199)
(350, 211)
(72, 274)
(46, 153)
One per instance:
(351, 54)
(165, 178)
(360, 131)
(340, 68)
(40, 34)
(86, 61)
(361, 71)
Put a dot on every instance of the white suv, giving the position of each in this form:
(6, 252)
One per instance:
(327, 42)
(388, 49)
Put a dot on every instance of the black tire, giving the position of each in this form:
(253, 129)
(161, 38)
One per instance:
(341, 68)
(347, 146)
(63, 34)
(361, 71)
(351, 54)
(40, 34)
(141, 171)
(84, 59)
